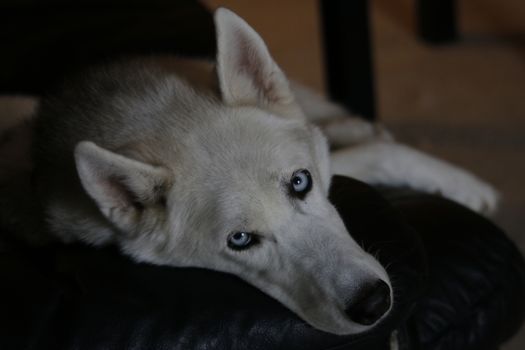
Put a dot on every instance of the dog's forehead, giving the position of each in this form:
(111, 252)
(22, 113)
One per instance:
(249, 139)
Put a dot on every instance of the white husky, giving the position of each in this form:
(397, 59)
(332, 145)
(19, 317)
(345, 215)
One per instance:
(184, 163)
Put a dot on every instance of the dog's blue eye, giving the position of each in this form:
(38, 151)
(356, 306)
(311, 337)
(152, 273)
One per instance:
(240, 240)
(301, 182)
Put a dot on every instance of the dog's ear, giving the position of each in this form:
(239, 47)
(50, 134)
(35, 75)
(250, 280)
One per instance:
(248, 76)
(121, 187)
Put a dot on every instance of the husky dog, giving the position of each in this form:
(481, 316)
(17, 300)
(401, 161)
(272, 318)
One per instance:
(179, 171)
(186, 163)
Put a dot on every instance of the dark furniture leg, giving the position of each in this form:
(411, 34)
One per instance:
(348, 54)
(437, 20)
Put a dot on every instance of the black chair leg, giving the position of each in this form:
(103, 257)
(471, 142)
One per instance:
(348, 54)
(437, 21)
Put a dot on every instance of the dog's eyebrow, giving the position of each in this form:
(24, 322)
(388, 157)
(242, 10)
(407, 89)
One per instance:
(243, 225)
(266, 235)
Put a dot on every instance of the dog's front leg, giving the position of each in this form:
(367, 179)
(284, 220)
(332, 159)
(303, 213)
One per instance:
(393, 164)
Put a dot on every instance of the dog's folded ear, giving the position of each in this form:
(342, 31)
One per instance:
(248, 76)
(121, 187)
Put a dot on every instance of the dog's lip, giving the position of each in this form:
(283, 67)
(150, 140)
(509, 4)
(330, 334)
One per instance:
(345, 326)
(337, 322)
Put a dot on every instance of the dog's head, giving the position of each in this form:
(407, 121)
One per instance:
(247, 195)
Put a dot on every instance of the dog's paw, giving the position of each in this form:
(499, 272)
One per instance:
(471, 192)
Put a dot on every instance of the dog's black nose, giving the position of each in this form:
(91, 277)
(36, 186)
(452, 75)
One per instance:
(370, 303)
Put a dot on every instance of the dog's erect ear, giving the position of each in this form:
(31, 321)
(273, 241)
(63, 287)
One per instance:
(248, 76)
(121, 187)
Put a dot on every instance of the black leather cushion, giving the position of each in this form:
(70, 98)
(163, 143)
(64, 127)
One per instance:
(77, 297)
(476, 293)
(74, 297)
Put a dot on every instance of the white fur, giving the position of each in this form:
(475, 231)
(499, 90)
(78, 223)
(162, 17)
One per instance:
(152, 159)
(393, 164)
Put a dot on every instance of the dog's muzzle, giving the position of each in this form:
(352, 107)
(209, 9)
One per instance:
(370, 304)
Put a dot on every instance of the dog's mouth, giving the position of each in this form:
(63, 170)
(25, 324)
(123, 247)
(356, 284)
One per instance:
(353, 304)
(365, 309)
(335, 308)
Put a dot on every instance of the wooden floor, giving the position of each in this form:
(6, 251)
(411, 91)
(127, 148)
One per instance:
(463, 102)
